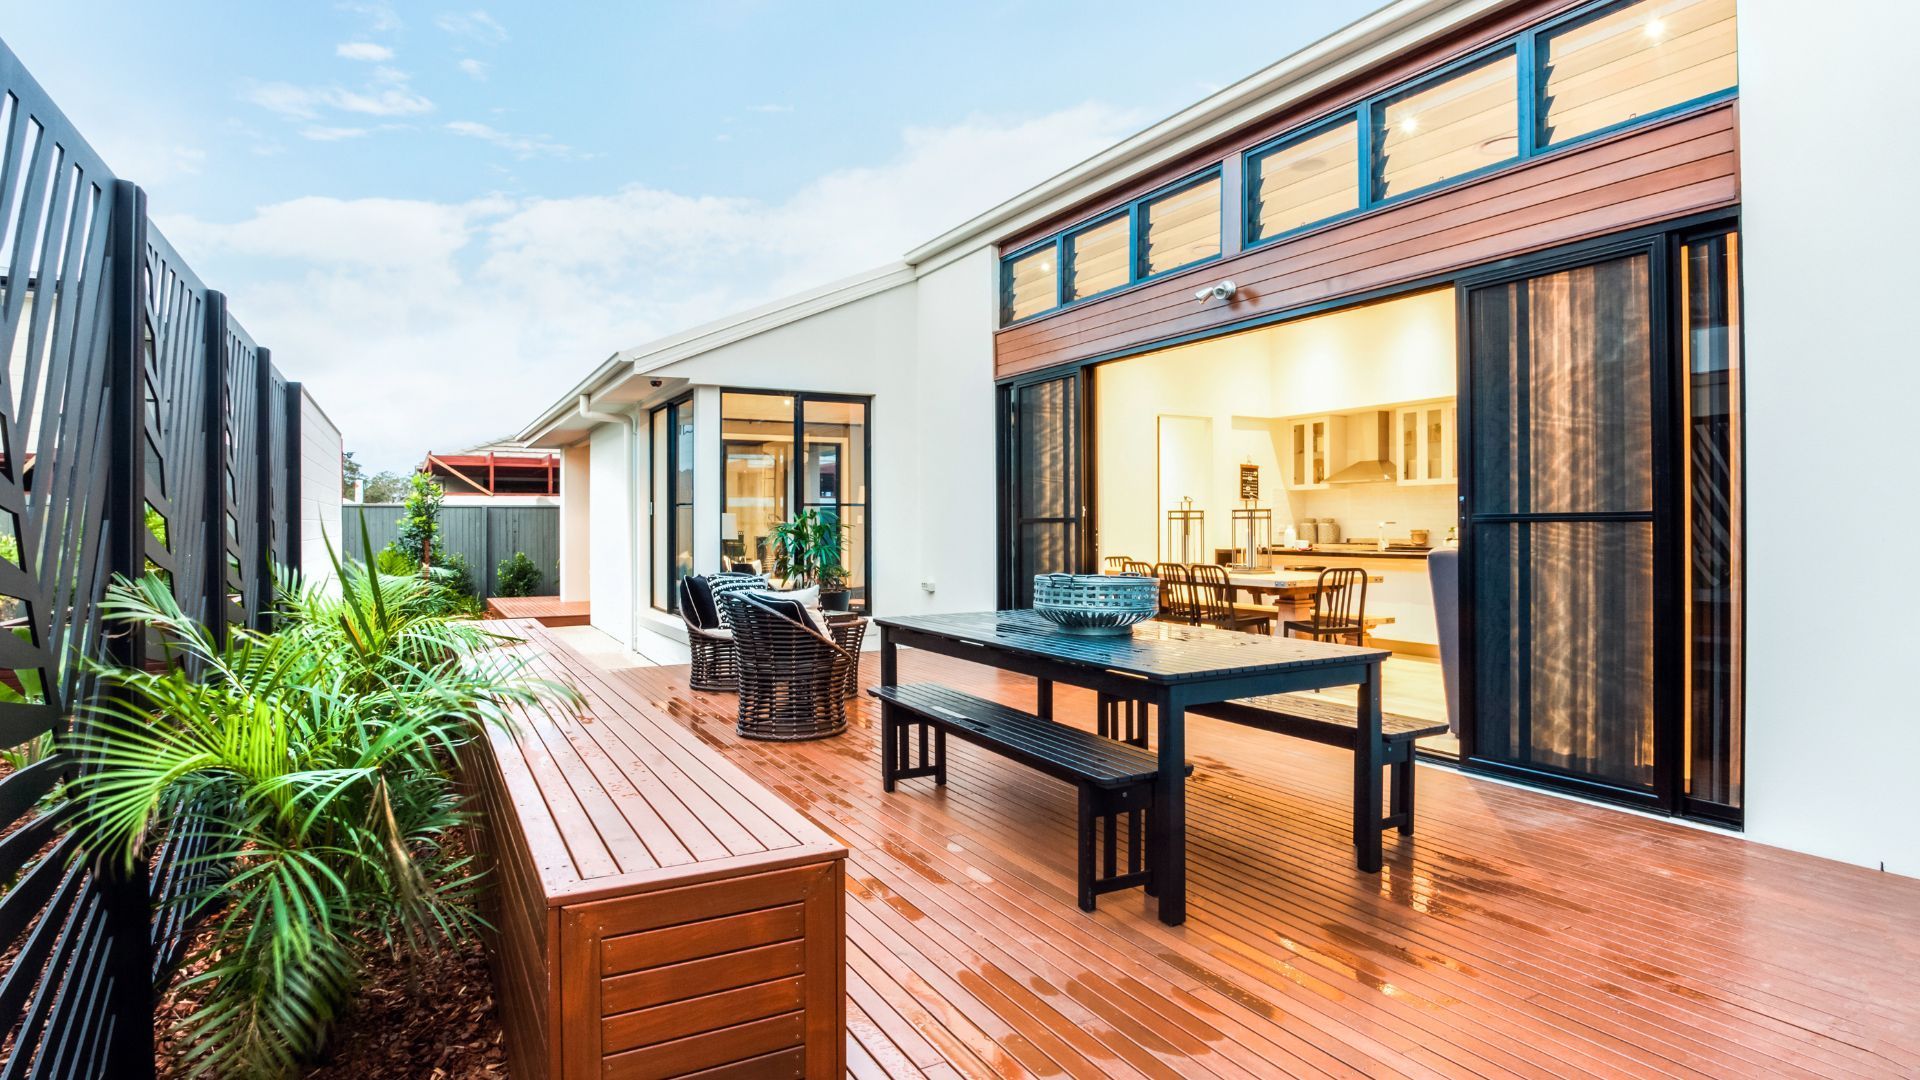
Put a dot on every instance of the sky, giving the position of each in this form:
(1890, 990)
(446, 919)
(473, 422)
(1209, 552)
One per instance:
(442, 217)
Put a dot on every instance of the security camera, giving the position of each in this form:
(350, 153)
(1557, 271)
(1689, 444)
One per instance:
(1219, 291)
(656, 383)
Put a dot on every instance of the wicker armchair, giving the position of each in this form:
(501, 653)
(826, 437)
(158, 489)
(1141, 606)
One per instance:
(792, 678)
(709, 638)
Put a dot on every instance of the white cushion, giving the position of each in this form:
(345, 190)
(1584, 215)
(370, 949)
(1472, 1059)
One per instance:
(809, 598)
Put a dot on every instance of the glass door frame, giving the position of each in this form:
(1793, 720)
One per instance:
(1662, 247)
(1009, 520)
(796, 481)
(669, 413)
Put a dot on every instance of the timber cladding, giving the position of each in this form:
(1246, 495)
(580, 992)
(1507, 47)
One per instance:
(1685, 165)
(657, 912)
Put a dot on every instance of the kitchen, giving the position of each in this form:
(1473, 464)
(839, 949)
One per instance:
(1322, 442)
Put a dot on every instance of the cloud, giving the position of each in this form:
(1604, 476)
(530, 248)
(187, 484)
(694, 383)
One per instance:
(331, 134)
(379, 16)
(388, 92)
(521, 146)
(476, 69)
(363, 50)
(421, 323)
(474, 25)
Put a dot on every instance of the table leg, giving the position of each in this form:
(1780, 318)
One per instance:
(1369, 752)
(1167, 840)
(889, 658)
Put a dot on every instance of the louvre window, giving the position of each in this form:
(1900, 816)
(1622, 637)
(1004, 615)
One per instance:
(1032, 284)
(1305, 180)
(1460, 123)
(1635, 60)
(1180, 228)
(1098, 258)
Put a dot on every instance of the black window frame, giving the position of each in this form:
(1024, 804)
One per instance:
(796, 497)
(670, 413)
(1532, 144)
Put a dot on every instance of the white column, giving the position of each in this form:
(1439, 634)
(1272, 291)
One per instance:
(575, 520)
(706, 479)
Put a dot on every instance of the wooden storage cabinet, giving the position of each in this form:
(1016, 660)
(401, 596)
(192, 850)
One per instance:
(656, 912)
(743, 973)
(1313, 443)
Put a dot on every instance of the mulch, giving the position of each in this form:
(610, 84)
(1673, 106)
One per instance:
(438, 1024)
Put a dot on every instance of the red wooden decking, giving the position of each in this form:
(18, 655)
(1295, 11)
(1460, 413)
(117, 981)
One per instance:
(1517, 934)
(549, 610)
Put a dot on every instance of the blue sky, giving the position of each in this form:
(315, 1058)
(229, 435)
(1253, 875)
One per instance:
(440, 217)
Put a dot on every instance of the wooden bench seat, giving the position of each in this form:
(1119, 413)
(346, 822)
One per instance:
(1114, 778)
(656, 911)
(1333, 723)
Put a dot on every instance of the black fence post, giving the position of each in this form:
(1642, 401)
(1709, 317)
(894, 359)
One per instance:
(213, 388)
(261, 557)
(294, 542)
(128, 913)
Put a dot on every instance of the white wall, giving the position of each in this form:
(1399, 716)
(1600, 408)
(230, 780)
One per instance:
(952, 423)
(319, 489)
(576, 522)
(1833, 723)
(609, 547)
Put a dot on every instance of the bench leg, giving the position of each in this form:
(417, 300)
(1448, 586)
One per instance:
(940, 756)
(889, 745)
(1400, 790)
(1086, 847)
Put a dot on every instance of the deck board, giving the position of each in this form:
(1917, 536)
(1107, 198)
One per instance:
(1518, 934)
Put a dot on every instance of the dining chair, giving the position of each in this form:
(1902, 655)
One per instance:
(1214, 605)
(1135, 566)
(1176, 592)
(1117, 564)
(1339, 608)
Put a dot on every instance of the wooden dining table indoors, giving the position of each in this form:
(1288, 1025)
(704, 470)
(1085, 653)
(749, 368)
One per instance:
(1171, 668)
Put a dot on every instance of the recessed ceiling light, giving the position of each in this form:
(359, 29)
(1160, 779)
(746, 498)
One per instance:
(1656, 29)
(1410, 125)
(1045, 266)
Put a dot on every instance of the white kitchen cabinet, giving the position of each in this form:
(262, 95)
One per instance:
(1424, 443)
(1313, 443)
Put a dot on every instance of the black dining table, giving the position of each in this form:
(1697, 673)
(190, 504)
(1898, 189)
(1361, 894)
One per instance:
(1170, 667)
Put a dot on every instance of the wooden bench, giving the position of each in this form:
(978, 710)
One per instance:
(1114, 778)
(1333, 723)
(657, 912)
(547, 610)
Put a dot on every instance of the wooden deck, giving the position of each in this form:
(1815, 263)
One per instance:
(548, 610)
(1517, 934)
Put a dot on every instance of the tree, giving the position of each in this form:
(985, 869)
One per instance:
(351, 473)
(386, 487)
(418, 537)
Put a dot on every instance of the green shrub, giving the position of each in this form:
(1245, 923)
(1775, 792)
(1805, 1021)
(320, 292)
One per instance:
(518, 576)
(319, 758)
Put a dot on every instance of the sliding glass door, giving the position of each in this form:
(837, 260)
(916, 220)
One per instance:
(1044, 504)
(1561, 515)
(1601, 501)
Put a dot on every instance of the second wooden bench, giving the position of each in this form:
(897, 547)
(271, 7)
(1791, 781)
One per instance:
(1114, 778)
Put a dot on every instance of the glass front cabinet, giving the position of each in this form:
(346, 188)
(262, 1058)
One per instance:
(1425, 442)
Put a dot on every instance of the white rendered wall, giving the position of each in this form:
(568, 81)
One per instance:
(319, 490)
(575, 521)
(953, 425)
(1833, 722)
(610, 592)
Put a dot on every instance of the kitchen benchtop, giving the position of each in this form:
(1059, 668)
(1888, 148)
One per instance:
(1344, 551)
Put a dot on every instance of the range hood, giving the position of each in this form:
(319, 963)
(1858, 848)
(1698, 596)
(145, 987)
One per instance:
(1377, 469)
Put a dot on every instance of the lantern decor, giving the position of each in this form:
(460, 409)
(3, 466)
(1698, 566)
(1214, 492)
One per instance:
(1186, 533)
(1252, 525)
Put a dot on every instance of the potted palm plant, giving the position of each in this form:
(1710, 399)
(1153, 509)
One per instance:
(811, 550)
